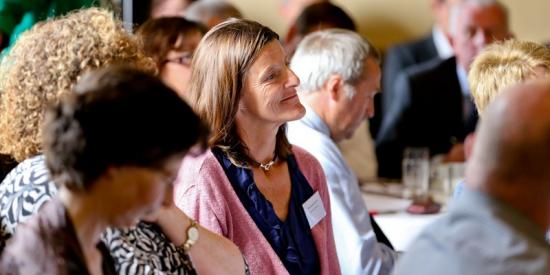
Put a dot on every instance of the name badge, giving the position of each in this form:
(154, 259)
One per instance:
(315, 211)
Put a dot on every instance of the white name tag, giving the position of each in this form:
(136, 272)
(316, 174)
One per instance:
(315, 211)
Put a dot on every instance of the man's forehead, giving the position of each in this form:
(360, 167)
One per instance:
(483, 15)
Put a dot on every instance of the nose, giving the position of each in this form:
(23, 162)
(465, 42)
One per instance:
(293, 80)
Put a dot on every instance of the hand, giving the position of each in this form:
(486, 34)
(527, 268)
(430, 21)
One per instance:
(172, 222)
(455, 154)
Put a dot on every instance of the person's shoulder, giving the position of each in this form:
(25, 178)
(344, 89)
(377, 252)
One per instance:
(431, 71)
(431, 244)
(28, 166)
(307, 138)
(36, 241)
(413, 51)
(303, 156)
(308, 164)
(413, 45)
(193, 165)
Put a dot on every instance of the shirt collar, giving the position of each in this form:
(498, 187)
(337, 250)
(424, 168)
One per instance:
(481, 202)
(314, 121)
(442, 45)
(463, 80)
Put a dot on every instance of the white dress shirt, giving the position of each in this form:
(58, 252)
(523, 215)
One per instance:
(441, 42)
(358, 250)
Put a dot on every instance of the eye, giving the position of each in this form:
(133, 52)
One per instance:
(185, 59)
(271, 76)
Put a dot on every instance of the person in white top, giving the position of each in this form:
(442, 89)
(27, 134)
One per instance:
(340, 74)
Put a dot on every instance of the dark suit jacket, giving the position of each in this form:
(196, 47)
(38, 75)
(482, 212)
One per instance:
(425, 111)
(398, 58)
(401, 57)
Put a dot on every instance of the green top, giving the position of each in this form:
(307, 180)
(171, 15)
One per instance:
(17, 16)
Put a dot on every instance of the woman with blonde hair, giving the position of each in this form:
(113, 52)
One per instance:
(253, 186)
(41, 69)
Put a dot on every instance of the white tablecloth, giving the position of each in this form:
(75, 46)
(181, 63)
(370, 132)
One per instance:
(398, 225)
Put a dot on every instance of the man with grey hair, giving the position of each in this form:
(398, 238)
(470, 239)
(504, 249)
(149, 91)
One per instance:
(340, 74)
(211, 12)
(498, 224)
(431, 105)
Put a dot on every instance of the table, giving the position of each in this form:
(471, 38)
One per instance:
(400, 227)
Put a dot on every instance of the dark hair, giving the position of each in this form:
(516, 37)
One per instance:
(323, 13)
(160, 35)
(117, 116)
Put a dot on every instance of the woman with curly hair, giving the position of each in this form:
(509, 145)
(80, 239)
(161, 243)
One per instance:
(41, 69)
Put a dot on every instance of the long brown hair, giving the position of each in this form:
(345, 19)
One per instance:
(219, 67)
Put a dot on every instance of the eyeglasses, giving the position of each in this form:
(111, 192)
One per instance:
(184, 59)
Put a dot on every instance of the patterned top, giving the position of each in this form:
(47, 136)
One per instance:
(291, 239)
(143, 249)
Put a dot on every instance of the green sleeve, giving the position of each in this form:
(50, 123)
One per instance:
(12, 11)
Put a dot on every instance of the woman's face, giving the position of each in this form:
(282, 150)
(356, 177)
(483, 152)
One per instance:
(140, 191)
(269, 89)
(176, 70)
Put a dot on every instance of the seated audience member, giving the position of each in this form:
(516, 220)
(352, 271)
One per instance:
(358, 151)
(434, 45)
(501, 65)
(168, 8)
(253, 186)
(211, 12)
(171, 42)
(432, 105)
(289, 10)
(315, 17)
(340, 75)
(106, 177)
(498, 224)
(504, 64)
(42, 68)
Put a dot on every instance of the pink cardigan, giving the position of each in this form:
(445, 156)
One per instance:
(204, 192)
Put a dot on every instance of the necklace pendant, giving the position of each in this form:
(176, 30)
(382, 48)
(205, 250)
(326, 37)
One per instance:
(267, 166)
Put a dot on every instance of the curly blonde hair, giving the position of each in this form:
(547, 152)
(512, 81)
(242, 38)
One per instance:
(47, 61)
(503, 64)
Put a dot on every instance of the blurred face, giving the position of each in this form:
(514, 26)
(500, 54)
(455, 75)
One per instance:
(176, 70)
(269, 90)
(477, 26)
(140, 191)
(169, 8)
(440, 10)
(350, 113)
(291, 9)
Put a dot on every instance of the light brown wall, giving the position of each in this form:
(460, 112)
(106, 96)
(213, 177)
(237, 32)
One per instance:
(389, 21)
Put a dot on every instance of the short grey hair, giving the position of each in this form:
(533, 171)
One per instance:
(204, 10)
(456, 8)
(333, 51)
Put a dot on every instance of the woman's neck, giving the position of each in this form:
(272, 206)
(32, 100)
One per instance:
(260, 139)
(87, 221)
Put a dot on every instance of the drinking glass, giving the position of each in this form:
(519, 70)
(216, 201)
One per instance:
(416, 171)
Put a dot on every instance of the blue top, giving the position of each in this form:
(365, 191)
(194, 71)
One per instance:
(291, 239)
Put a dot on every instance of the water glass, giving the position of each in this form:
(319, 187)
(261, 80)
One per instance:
(416, 171)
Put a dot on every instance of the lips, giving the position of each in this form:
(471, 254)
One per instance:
(290, 97)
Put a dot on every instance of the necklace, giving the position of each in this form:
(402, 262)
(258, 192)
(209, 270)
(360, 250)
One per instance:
(265, 166)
